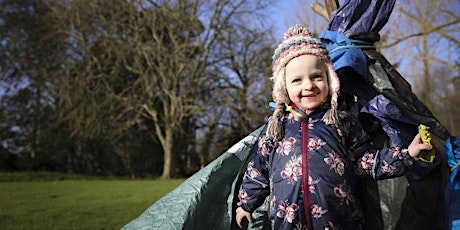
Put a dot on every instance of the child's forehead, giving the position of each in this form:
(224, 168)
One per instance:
(306, 61)
(307, 57)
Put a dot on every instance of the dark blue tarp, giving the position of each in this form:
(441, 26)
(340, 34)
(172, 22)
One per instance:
(355, 16)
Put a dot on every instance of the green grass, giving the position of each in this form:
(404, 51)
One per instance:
(77, 203)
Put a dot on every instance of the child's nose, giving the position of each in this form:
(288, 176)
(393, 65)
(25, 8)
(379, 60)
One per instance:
(308, 85)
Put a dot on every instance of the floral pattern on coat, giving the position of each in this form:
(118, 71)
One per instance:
(335, 156)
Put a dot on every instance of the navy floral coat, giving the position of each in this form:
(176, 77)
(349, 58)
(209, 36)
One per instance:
(315, 168)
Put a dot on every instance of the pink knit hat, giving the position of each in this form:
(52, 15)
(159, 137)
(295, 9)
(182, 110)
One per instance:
(297, 41)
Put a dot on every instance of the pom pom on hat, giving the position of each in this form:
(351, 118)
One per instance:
(297, 41)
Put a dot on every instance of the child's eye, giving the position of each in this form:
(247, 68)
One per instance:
(317, 77)
(295, 80)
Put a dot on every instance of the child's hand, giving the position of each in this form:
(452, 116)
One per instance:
(240, 215)
(417, 146)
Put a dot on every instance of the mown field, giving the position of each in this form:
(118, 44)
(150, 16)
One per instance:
(72, 202)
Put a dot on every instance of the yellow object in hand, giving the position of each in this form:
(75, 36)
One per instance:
(426, 155)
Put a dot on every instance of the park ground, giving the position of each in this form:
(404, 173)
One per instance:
(58, 201)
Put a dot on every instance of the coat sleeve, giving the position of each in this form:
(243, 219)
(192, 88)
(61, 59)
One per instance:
(381, 163)
(255, 185)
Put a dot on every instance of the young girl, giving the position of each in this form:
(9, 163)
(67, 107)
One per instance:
(310, 154)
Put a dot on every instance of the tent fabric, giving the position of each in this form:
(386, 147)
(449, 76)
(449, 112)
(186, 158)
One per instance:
(399, 92)
(422, 207)
(205, 200)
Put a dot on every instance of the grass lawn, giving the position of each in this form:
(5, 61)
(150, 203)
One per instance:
(77, 204)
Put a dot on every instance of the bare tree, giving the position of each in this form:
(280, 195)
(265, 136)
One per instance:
(138, 61)
(425, 35)
(447, 97)
(244, 81)
(179, 94)
(325, 10)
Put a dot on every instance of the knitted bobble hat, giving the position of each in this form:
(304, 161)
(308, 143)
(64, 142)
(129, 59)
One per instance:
(297, 41)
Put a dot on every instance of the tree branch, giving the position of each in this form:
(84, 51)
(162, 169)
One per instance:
(432, 29)
(325, 11)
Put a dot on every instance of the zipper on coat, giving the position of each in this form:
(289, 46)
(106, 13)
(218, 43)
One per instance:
(305, 175)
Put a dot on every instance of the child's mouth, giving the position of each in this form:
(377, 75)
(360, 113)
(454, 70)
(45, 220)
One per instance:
(309, 96)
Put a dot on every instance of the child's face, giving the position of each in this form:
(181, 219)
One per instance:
(306, 82)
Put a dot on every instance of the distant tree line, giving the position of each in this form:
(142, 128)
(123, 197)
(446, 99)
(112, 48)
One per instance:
(130, 88)
(160, 88)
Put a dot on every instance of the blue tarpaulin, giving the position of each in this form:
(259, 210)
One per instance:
(356, 16)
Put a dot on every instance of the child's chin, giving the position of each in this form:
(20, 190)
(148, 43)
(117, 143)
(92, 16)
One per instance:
(309, 106)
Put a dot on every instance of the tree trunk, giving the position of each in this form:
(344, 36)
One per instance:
(427, 91)
(168, 162)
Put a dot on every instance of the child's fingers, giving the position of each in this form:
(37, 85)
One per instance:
(427, 146)
(249, 216)
(417, 139)
(417, 146)
(238, 221)
(240, 215)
